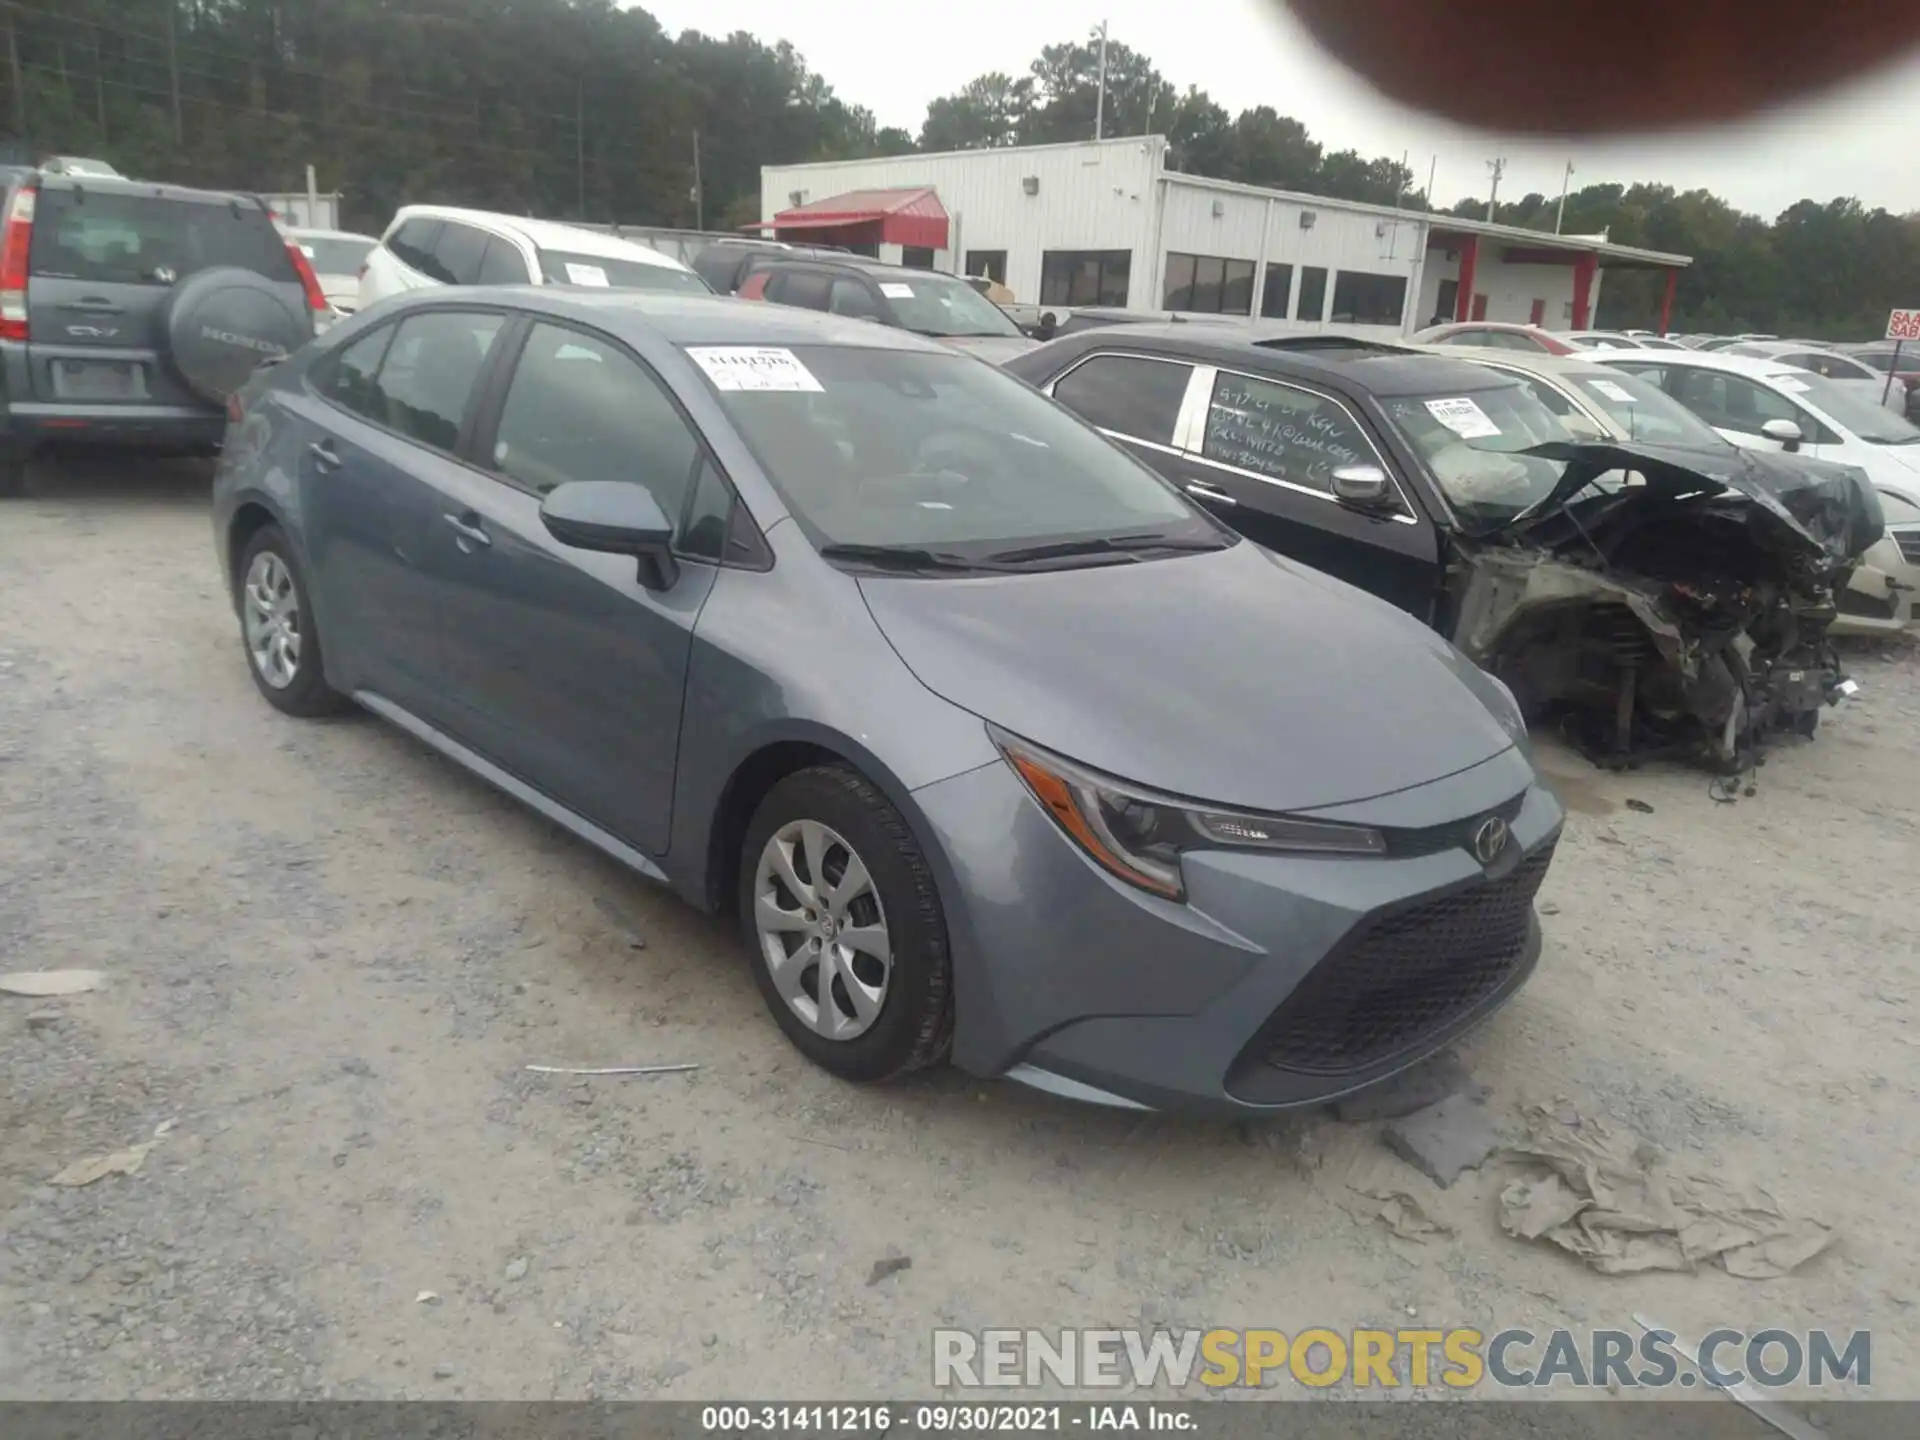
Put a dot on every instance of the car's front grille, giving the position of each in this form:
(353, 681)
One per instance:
(1909, 543)
(1404, 975)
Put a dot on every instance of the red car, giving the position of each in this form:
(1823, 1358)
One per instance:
(1496, 336)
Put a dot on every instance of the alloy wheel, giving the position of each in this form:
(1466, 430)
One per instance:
(270, 605)
(823, 933)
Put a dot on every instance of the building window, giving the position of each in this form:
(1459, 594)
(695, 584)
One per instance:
(990, 263)
(1209, 284)
(1276, 291)
(1313, 293)
(1360, 299)
(1084, 277)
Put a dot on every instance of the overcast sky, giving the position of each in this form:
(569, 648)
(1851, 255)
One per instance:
(1243, 52)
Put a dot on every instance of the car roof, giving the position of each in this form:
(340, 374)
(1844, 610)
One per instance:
(306, 232)
(546, 234)
(1381, 368)
(1532, 361)
(857, 262)
(1792, 347)
(1510, 326)
(681, 318)
(54, 182)
(1704, 360)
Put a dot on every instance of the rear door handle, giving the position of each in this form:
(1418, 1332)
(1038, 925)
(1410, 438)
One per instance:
(324, 455)
(469, 529)
(1207, 492)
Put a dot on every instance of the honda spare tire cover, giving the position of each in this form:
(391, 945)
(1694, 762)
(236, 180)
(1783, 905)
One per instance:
(220, 324)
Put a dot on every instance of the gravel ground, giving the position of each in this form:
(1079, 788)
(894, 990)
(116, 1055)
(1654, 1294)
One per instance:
(331, 956)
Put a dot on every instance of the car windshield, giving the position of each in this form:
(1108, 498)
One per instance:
(564, 267)
(1470, 440)
(892, 448)
(1646, 412)
(335, 254)
(935, 305)
(1854, 404)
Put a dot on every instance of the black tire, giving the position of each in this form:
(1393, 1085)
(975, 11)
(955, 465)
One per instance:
(13, 476)
(306, 694)
(914, 1026)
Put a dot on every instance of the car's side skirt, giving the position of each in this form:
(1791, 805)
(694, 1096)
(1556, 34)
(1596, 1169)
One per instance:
(511, 784)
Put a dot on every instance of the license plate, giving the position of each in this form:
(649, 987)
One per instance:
(98, 380)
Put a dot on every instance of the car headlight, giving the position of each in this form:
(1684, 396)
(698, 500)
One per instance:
(1140, 836)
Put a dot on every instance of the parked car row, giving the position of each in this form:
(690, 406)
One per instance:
(1143, 717)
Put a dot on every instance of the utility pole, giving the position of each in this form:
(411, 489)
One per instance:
(1100, 100)
(699, 194)
(1496, 167)
(1433, 177)
(173, 76)
(1560, 216)
(580, 146)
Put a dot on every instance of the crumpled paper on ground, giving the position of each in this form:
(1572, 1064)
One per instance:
(1400, 1213)
(1603, 1195)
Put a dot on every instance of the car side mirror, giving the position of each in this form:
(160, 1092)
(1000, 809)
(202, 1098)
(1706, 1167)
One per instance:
(1785, 431)
(1363, 487)
(614, 518)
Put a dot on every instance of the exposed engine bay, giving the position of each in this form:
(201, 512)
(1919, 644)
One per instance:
(1681, 613)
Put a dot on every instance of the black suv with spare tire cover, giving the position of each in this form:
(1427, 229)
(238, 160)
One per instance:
(130, 311)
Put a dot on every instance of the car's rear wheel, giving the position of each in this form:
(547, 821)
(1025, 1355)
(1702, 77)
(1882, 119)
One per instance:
(276, 624)
(848, 940)
(13, 475)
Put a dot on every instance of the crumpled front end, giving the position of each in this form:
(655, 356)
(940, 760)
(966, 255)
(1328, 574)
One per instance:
(1687, 614)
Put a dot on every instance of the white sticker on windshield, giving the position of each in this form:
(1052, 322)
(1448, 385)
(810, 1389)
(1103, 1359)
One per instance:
(1614, 392)
(752, 367)
(894, 290)
(585, 275)
(1463, 418)
(1790, 385)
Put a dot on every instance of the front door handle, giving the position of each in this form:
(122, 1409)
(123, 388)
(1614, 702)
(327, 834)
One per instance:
(1207, 492)
(469, 530)
(324, 455)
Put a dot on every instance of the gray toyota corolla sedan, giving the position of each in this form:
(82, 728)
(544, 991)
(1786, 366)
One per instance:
(999, 748)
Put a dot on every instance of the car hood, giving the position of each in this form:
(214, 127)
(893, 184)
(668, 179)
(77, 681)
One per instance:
(1830, 507)
(997, 349)
(1231, 676)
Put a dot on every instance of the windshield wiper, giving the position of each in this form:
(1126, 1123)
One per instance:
(1105, 545)
(904, 557)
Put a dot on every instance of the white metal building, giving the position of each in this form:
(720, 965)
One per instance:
(1106, 223)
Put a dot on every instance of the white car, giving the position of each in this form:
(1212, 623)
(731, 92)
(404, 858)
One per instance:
(439, 245)
(336, 257)
(1770, 405)
(1830, 363)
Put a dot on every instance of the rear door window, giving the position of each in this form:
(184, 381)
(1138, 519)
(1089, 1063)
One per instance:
(806, 288)
(1298, 437)
(412, 244)
(457, 254)
(581, 409)
(1127, 394)
(114, 239)
(426, 381)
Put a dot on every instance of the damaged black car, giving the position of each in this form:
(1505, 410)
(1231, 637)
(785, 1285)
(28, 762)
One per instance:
(1653, 599)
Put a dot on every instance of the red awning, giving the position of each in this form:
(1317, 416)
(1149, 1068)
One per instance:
(911, 216)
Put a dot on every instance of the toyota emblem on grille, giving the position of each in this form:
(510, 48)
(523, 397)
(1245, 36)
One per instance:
(1490, 839)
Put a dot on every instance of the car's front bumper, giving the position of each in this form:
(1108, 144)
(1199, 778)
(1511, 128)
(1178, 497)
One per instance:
(1283, 980)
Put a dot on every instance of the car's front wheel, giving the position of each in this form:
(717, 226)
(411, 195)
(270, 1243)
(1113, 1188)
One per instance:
(844, 923)
(277, 626)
